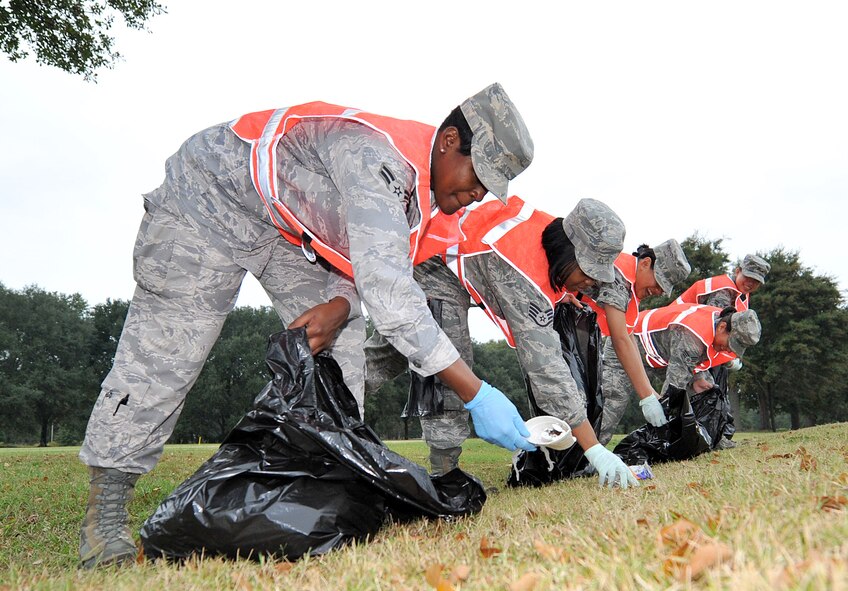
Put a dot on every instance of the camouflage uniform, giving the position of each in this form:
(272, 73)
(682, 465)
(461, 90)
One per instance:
(676, 344)
(530, 319)
(206, 226)
(617, 388)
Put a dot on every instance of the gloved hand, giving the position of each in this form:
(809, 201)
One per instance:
(497, 421)
(610, 467)
(653, 410)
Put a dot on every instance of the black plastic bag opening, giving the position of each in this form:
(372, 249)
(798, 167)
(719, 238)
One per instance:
(580, 339)
(300, 474)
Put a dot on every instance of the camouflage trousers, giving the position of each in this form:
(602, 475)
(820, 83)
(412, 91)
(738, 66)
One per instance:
(446, 433)
(188, 266)
(617, 389)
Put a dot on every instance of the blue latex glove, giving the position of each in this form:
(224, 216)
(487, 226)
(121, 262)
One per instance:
(610, 467)
(653, 410)
(497, 421)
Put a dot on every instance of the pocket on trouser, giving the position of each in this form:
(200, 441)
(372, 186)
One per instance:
(153, 253)
(112, 434)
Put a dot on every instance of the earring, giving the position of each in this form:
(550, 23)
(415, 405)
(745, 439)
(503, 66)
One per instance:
(442, 150)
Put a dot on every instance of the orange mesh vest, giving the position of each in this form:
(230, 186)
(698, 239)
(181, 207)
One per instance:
(626, 264)
(697, 319)
(413, 141)
(514, 232)
(711, 285)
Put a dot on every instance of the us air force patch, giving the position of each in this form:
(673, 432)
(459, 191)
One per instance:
(391, 182)
(542, 317)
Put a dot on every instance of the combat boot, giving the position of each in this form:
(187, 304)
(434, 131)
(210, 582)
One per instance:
(105, 536)
(443, 461)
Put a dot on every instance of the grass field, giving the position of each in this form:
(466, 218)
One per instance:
(770, 514)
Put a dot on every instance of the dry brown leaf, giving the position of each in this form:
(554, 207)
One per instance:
(527, 582)
(283, 567)
(433, 574)
(833, 503)
(678, 533)
(842, 479)
(763, 446)
(461, 573)
(460, 536)
(707, 555)
(773, 456)
(808, 462)
(642, 521)
(550, 552)
(714, 462)
(487, 550)
(699, 488)
(650, 487)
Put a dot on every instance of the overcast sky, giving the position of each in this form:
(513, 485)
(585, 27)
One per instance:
(725, 118)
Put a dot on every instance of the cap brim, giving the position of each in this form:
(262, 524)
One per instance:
(754, 276)
(736, 346)
(598, 272)
(495, 183)
(665, 285)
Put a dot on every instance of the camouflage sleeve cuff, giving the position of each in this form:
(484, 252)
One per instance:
(340, 286)
(433, 359)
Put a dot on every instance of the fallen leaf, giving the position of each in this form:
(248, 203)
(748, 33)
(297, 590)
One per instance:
(808, 462)
(678, 533)
(650, 487)
(773, 456)
(460, 536)
(642, 521)
(714, 462)
(706, 555)
(699, 488)
(461, 572)
(433, 574)
(550, 552)
(283, 567)
(527, 582)
(842, 479)
(486, 550)
(833, 503)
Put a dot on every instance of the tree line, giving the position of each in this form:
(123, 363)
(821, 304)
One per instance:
(55, 350)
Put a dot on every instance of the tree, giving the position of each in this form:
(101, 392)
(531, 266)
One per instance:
(799, 365)
(234, 373)
(45, 362)
(69, 34)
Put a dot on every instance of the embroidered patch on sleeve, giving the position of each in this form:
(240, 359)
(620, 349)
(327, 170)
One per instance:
(542, 317)
(392, 183)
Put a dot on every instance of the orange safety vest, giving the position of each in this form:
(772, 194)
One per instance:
(514, 232)
(712, 285)
(698, 319)
(413, 141)
(626, 265)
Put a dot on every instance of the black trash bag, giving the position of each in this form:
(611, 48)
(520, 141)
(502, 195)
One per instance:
(300, 474)
(580, 339)
(720, 377)
(426, 396)
(695, 426)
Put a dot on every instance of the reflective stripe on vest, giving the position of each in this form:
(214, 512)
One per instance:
(626, 265)
(712, 285)
(696, 318)
(412, 140)
(512, 231)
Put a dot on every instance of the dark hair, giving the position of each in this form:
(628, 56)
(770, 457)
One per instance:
(645, 251)
(560, 252)
(458, 120)
(725, 315)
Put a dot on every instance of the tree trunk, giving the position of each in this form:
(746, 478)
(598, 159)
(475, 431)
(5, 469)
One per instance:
(735, 404)
(45, 425)
(405, 428)
(763, 408)
(794, 417)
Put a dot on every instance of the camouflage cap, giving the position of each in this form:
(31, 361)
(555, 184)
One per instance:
(755, 267)
(501, 146)
(597, 234)
(671, 265)
(744, 331)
